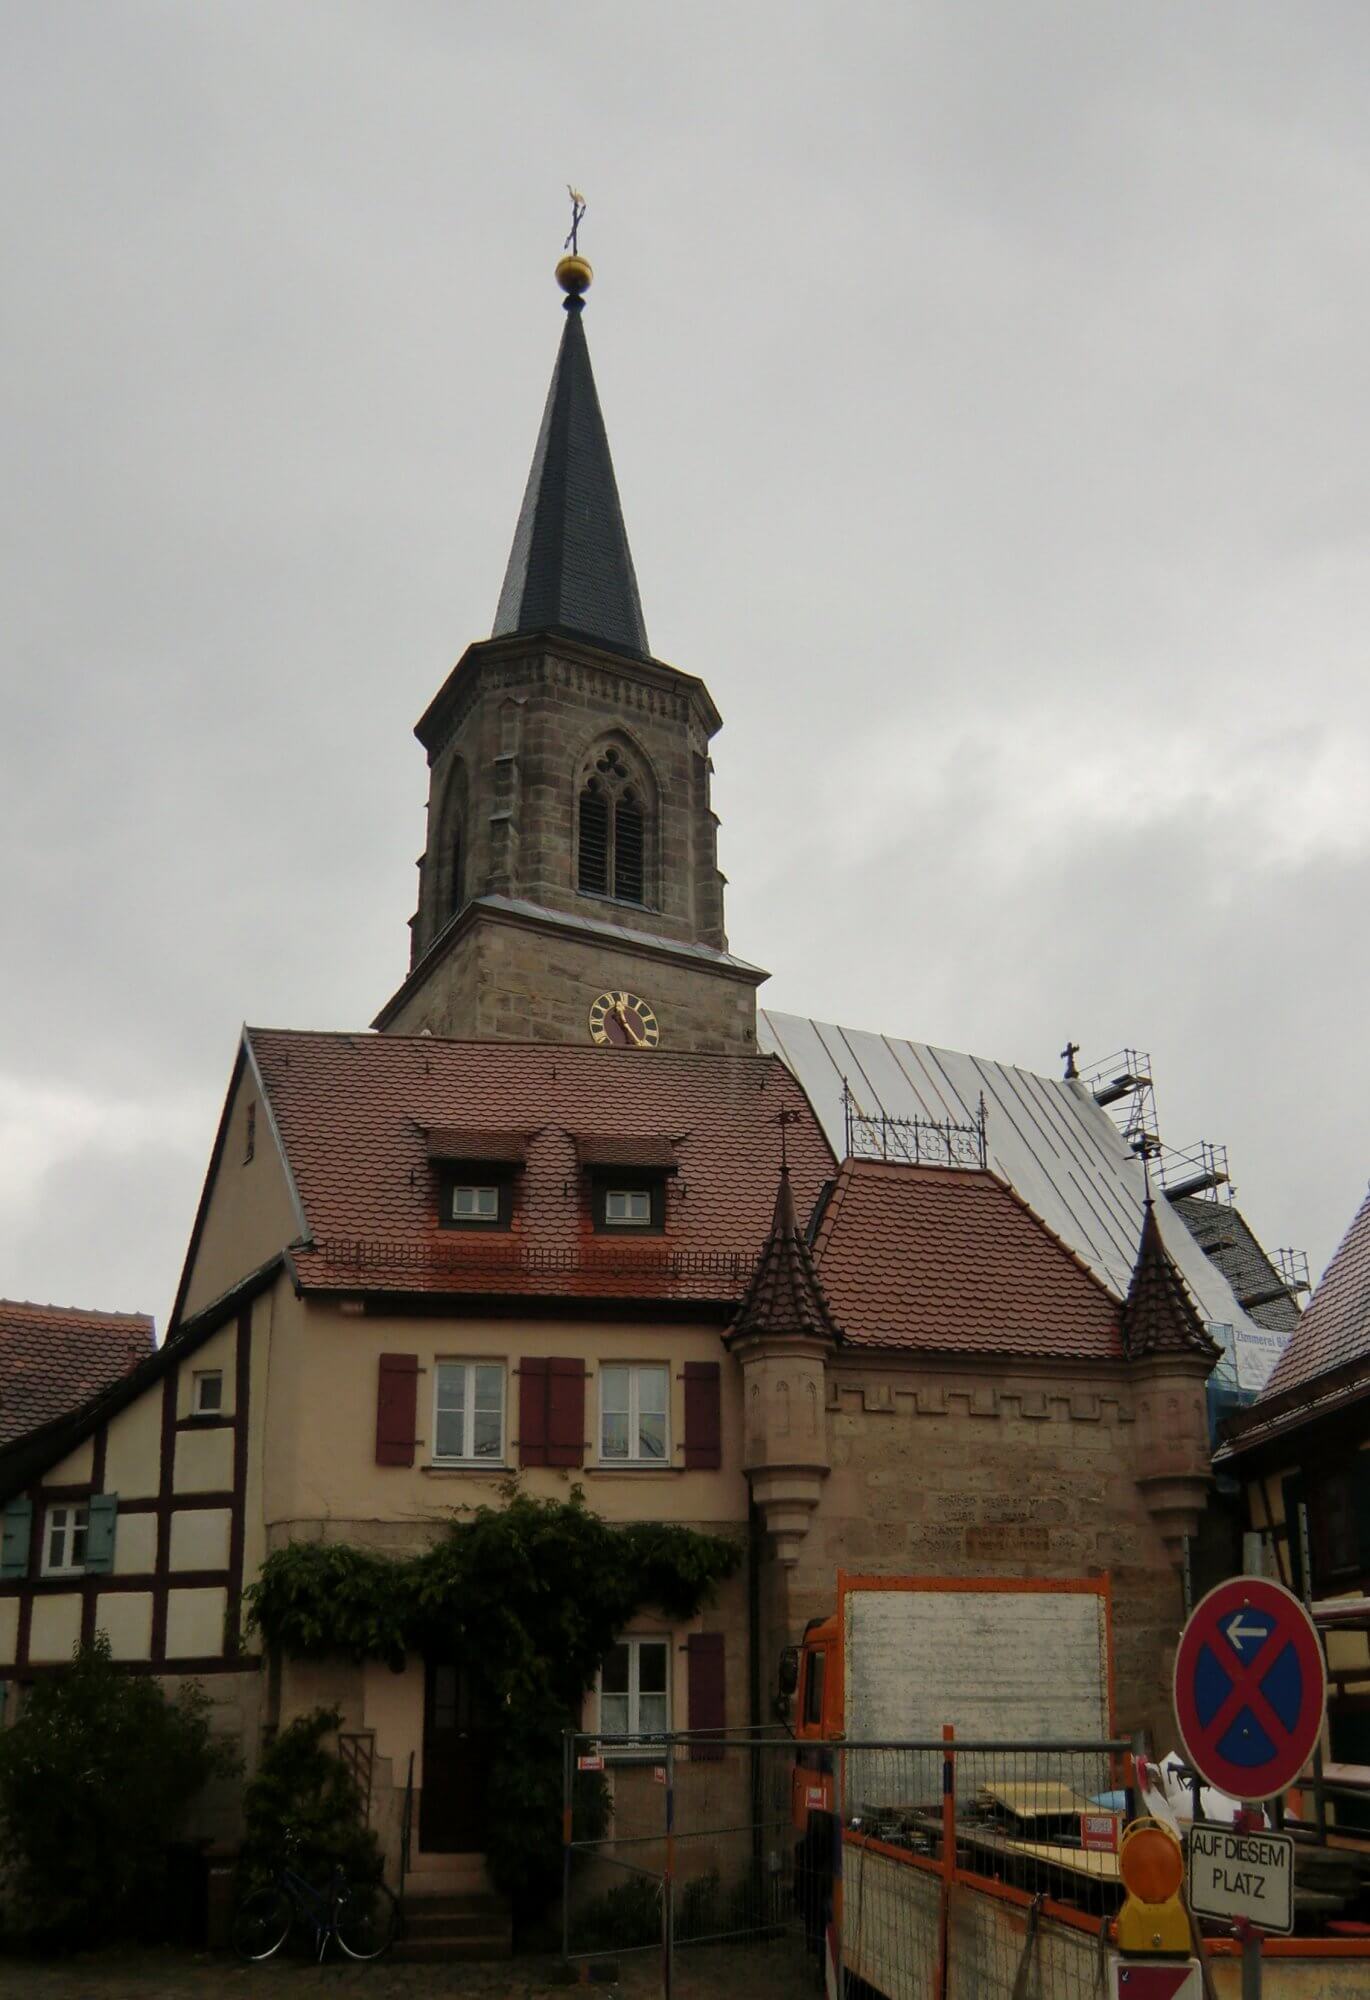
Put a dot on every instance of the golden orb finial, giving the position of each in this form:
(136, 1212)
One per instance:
(575, 275)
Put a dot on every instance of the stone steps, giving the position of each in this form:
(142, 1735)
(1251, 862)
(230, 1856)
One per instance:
(450, 1923)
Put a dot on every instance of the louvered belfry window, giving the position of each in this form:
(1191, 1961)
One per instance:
(594, 841)
(628, 849)
(612, 839)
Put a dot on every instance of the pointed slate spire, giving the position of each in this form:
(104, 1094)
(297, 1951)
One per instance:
(1159, 1316)
(785, 1295)
(570, 568)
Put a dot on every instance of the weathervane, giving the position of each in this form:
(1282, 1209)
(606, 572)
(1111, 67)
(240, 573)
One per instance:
(574, 274)
(577, 212)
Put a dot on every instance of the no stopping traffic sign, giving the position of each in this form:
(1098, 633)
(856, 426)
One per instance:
(1250, 1688)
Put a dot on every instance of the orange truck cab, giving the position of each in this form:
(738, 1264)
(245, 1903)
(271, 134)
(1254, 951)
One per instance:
(810, 1674)
(816, 1721)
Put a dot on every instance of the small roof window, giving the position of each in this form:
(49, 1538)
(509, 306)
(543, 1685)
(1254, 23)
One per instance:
(477, 1195)
(628, 1201)
(208, 1397)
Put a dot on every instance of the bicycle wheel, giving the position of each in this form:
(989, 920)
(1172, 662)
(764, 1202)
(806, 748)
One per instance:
(365, 1918)
(261, 1923)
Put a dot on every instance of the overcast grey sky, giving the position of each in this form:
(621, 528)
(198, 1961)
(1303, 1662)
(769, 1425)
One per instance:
(987, 388)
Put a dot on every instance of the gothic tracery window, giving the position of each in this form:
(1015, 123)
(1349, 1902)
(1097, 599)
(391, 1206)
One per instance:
(612, 843)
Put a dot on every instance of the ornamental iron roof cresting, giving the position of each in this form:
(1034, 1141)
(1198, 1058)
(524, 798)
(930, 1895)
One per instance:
(914, 1142)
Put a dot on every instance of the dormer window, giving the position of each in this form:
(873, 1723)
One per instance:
(475, 1204)
(626, 1177)
(628, 1208)
(633, 1203)
(477, 1196)
(476, 1176)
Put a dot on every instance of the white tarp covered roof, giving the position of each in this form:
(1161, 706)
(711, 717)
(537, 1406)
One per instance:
(1047, 1138)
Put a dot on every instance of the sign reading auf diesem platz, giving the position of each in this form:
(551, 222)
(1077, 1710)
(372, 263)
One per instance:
(1247, 1875)
(1250, 1688)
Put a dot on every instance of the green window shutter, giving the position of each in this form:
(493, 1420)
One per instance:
(14, 1541)
(100, 1532)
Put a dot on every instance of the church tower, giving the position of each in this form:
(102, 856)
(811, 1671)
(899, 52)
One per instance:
(570, 890)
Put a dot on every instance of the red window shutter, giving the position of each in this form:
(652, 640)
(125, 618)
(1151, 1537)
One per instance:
(533, 1378)
(703, 1417)
(397, 1403)
(566, 1413)
(707, 1691)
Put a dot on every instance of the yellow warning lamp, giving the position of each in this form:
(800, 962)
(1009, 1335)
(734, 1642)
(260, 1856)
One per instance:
(1153, 1918)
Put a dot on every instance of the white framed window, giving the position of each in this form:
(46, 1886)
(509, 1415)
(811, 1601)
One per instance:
(207, 1392)
(628, 1208)
(475, 1204)
(635, 1693)
(64, 1539)
(634, 1398)
(468, 1413)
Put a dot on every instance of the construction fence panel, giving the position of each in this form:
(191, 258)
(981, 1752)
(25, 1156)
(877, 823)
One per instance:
(934, 1868)
(688, 1838)
(978, 1869)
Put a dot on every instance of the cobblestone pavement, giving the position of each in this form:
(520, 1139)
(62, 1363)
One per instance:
(764, 1973)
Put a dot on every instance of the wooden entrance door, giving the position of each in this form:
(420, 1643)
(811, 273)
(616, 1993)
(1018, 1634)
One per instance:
(455, 1763)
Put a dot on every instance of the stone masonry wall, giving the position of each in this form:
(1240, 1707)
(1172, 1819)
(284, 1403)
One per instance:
(976, 1474)
(520, 734)
(506, 982)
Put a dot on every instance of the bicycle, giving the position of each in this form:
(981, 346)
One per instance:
(362, 1916)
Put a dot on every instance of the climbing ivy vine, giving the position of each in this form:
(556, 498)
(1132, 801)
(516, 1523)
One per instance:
(530, 1596)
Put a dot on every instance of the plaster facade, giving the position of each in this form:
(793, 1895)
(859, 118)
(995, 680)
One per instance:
(54, 1629)
(323, 1478)
(132, 1447)
(250, 1213)
(125, 1617)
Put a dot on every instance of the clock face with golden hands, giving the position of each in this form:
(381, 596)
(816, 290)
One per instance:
(623, 1021)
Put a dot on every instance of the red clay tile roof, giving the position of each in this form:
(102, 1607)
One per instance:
(785, 1295)
(354, 1112)
(452, 1142)
(54, 1357)
(612, 1150)
(1335, 1329)
(1159, 1316)
(950, 1260)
